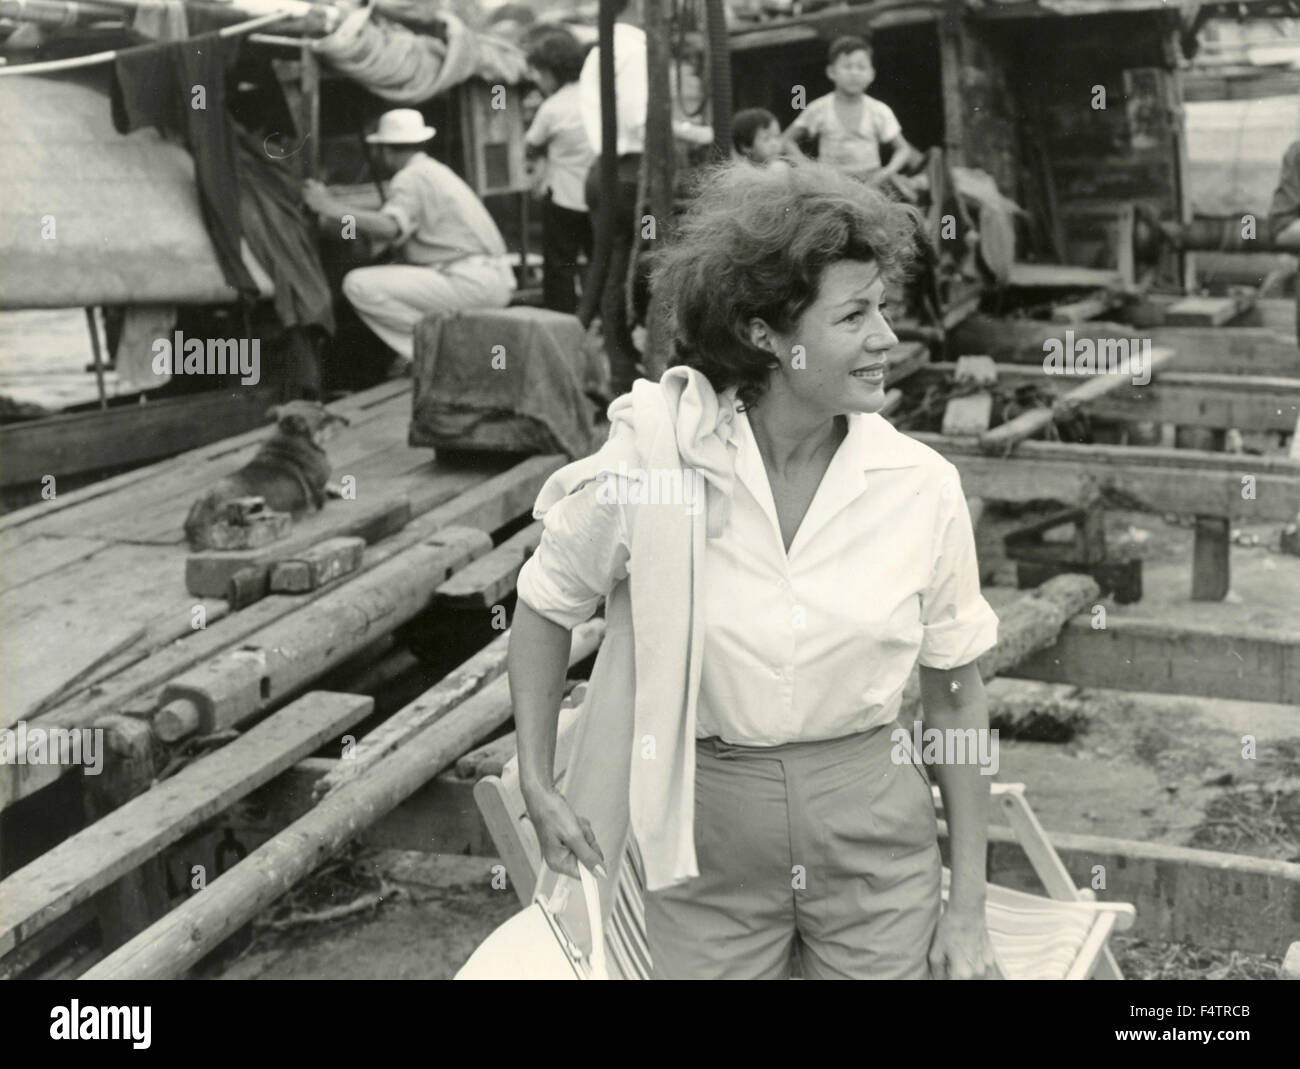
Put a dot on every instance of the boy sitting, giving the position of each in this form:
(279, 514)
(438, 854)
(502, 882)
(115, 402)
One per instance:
(848, 125)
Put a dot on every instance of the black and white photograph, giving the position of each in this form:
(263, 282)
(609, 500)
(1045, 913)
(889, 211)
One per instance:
(651, 490)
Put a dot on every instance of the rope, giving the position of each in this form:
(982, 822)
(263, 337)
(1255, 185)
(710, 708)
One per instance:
(51, 66)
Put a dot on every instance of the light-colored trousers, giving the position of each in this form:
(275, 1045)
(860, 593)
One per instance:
(392, 298)
(824, 850)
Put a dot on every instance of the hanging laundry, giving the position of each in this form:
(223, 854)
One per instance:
(180, 88)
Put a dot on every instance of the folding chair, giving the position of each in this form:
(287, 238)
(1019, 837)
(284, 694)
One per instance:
(1060, 937)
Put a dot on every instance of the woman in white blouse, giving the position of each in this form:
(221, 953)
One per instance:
(777, 559)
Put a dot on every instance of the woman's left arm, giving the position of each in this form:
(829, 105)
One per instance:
(953, 700)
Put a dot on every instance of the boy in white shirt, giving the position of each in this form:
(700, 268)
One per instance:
(557, 132)
(848, 125)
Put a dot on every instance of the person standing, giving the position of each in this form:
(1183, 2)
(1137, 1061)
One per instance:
(776, 558)
(848, 125)
(558, 134)
(451, 254)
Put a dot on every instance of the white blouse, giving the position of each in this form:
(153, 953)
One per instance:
(818, 642)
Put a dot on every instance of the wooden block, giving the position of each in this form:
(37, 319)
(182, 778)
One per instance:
(980, 370)
(319, 565)
(246, 586)
(137, 831)
(969, 415)
(207, 574)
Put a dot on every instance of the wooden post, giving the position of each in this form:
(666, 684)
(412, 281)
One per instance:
(659, 163)
(1210, 558)
(98, 356)
(309, 131)
(954, 111)
(132, 903)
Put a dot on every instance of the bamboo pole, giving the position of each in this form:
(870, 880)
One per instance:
(76, 62)
(56, 12)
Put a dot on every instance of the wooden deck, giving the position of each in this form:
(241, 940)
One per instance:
(94, 580)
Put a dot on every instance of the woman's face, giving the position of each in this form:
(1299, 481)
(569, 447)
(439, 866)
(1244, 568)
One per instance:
(833, 359)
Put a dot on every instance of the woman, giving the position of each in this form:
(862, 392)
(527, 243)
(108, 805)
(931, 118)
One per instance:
(776, 559)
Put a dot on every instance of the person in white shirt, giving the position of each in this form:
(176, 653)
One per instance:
(839, 555)
(557, 133)
(450, 254)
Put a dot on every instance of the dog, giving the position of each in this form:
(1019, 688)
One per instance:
(290, 472)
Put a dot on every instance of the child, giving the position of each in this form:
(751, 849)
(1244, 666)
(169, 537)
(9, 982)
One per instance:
(848, 125)
(757, 135)
(558, 133)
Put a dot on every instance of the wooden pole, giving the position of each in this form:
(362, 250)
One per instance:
(659, 163)
(310, 125)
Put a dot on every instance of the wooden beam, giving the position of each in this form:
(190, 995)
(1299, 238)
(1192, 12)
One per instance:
(487, 581)
(1135, 653)
(1001, 439)
(116, 844)
(1130, 477)
(1188, 399)
(190, 931)
(1221, 350)
(128, 434)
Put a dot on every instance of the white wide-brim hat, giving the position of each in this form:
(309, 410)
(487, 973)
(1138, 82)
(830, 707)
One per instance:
(401, 126)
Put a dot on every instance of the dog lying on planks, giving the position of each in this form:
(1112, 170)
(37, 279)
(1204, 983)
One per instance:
(290, 472)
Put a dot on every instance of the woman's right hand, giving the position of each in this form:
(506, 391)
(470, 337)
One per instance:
(565, 837)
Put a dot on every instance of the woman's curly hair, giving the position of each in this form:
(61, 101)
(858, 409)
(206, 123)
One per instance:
(754, 244)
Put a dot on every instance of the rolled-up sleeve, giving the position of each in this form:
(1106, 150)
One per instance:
(582, 555)
(959, 625)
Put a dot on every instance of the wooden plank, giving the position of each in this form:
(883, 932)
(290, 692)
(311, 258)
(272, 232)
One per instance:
(1001, 439)
(275, 662)
(60, 627)
(113, 846)
(129, 434)
(185, 935)
(490, 579)
(358, 405)
(1210, 565)
(1221, 350)
(1200, 897)
(488, 506)
(1143, 479)
(1134, 653)
(23, 559)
